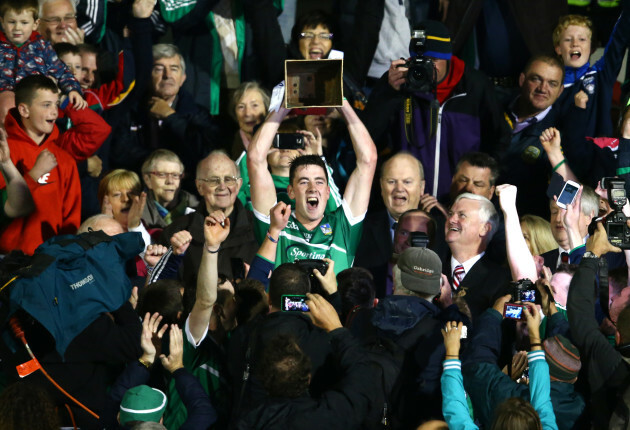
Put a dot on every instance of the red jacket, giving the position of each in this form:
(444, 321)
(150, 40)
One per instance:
(88, 132)
(57, 195)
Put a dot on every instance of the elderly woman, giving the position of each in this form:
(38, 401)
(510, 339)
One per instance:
(162, 173)
(248, 107)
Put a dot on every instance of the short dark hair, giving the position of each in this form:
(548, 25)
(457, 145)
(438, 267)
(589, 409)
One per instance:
(163, 296)
(309, 20)
(26, 89)
(288, 278)
(27, 405)
(516, 414)
(63, 48)
(19, 6)
(284, 369)
(547, 59)
(483, 161)
(306, 160)
(251, 299)
(87, 48)
(356, 289)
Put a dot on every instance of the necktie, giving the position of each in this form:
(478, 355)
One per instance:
(458, 275)
(564, 257)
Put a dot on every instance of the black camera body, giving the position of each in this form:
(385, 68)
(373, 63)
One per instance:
(422, 75)
(418, 239)
(523, 290)
(308, 265)
(615, 222)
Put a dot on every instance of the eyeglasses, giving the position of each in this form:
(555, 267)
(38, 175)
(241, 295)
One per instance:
(163, 175)
(321, 36)
(57, 19)
(214, 181)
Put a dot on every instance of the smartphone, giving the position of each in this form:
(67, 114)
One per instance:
(293, 303)
(567, 195)
(288, 141)
(513, 311)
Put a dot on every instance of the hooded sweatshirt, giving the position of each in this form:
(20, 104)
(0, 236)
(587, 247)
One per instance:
(57, 194)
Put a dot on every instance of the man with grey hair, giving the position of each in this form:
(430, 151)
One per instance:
(58, 21)
(218, 183)
(167, 118)
(566, 239)
(411, 319)
(472, 221)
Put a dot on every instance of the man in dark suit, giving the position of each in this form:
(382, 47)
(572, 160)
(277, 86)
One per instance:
(402, 184)
(589, 207)
(471, 223)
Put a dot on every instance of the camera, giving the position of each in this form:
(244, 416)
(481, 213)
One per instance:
(523, 290)
(421, 76)
(615, 222)
(418, 239)
(513, 311)
(308, 265)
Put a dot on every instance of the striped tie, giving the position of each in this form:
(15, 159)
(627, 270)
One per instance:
(458, 275)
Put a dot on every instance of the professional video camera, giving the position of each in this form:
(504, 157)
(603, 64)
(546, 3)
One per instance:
(422, 76)
(615, 222)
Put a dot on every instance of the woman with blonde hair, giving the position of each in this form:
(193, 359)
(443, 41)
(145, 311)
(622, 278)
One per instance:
(537, 233)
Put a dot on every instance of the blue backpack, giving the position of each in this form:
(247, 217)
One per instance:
(73, 279)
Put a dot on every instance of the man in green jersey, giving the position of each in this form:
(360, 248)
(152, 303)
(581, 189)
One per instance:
(310, 233)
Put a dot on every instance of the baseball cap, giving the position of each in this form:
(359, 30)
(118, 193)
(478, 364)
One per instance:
(420, 270)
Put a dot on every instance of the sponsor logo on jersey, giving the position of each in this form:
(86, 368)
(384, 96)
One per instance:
(292, 225)
(326, 229)
(295, 253)
(44, 179)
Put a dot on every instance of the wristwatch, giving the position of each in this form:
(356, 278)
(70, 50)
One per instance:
(589, 254)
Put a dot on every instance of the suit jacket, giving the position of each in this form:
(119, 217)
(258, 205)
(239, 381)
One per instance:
(485, 282)
(375, 249)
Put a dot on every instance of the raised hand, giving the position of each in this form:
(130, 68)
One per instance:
(216, 228)
(175, 357)
(180, 242)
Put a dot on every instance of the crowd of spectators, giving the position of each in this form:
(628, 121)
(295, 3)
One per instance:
(410, 262)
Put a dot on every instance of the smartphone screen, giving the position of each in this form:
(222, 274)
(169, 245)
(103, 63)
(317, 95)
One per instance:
(294, 304)
(567, 195)
(513, 311)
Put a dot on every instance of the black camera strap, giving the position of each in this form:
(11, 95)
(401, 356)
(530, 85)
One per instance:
(604, 297)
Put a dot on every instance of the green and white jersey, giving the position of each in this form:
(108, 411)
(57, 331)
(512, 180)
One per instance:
(336, 237)
(206, 361)
(281, 183)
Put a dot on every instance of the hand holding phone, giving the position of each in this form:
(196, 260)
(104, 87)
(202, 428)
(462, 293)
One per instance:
(568, 194)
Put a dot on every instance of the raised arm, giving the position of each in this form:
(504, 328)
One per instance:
(216, 229)
(550, 141)
(522, 264)
(19, 200)
(263, 190)
(357, 193)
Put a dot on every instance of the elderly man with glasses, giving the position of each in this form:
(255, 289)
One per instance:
(58, 21)
(218, 183)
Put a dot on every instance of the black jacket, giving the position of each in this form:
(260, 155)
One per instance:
(240, 243)
(343, 407)
(375, 249)
(606, 370)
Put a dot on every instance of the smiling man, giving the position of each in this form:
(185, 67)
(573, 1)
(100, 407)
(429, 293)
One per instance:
(218, 183)
(524, 163)
(402, 185)
(471, 223)
(32, 137)
(311, 233)
(58, 21)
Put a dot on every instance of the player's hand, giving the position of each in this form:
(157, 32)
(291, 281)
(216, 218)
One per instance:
(550, 140)
(279, 216)
(180, 242)
(507, 196)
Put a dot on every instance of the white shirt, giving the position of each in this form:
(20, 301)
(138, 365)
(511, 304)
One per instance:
(468, 264)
